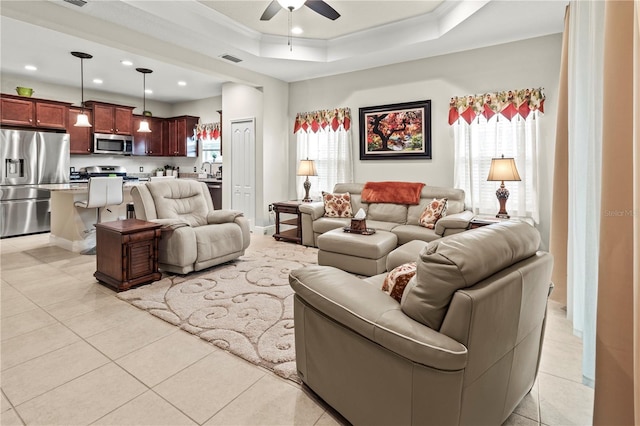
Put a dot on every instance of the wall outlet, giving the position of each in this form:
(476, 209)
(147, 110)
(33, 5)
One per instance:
(270, 207)
(195, 169)
(141, 169)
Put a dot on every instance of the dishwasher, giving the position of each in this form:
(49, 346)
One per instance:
(215, 189)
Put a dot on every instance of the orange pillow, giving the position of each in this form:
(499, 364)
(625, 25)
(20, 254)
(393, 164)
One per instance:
(434, 211)
(397, 280)
(337, 205)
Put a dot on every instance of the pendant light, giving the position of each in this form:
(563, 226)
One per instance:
(144, 124)
(83, 119)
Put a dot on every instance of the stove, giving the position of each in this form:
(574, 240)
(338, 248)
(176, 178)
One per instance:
(97, 171)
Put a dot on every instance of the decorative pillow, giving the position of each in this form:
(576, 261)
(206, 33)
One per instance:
(337, 205)
(397, 280)
(434, 211)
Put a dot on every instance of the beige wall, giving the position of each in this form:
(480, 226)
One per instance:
(529, 63)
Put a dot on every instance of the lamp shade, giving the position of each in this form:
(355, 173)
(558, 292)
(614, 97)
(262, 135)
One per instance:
(307, 168)
(144, 127)
(503, 169)
(82, 120)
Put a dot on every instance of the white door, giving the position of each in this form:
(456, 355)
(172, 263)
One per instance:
(243, 170)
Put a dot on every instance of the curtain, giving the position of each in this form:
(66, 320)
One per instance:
(325, 137)
(477, 143)
(585, 97)
(617, 287)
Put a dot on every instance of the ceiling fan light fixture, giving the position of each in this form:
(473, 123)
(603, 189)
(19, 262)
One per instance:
(292, 4)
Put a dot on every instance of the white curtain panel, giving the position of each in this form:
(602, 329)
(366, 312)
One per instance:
(477, 143)
(331, 150)
(585, 77)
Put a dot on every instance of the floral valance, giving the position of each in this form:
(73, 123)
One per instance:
(208, 130)
(320, 120)
(508, 104)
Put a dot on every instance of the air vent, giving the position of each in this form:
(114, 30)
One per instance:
(231, 58)
(78, 3)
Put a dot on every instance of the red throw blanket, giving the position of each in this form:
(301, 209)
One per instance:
(392, 192)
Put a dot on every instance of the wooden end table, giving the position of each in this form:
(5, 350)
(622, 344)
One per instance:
(127, 253)
(294, 231)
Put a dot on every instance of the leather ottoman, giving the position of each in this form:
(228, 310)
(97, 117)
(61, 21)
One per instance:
(356, 253)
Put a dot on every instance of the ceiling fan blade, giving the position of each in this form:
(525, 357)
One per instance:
(323, 9)
(271, 10)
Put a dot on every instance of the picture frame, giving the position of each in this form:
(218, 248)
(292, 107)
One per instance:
(396, 131)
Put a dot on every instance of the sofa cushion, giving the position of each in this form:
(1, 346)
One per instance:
(326, 224)
(387, 212)
(182, 199)
(396, 280)
(408, 233)
(217, 241)
(462, 260)
(434, 211)
(337, 205)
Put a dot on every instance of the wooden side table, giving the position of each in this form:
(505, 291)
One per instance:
(294, 231)
(127, 253)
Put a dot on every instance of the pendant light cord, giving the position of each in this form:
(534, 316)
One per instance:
(82, 85)
(144, 93)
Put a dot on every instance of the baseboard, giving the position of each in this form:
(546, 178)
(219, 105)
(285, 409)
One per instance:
(265, 230)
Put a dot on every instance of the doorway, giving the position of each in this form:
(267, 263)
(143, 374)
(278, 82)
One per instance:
(243, 169)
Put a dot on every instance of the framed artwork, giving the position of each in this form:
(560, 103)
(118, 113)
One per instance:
(396, 131)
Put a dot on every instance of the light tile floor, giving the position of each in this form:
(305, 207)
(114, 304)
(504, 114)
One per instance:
(74, 354)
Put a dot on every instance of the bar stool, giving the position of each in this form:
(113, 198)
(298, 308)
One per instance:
(101, 192)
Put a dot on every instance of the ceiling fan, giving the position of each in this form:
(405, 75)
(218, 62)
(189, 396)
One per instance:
(317, 6)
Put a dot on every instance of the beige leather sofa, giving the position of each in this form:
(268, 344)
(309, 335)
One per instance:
(194, 235)
(401, 219)
(462, 347)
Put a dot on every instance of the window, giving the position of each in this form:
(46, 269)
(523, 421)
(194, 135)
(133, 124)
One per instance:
(210, 150)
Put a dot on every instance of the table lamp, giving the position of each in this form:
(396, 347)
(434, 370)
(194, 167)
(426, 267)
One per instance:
(307, 168)
(503, 169)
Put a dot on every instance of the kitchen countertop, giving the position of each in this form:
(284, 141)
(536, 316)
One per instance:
(76, 186)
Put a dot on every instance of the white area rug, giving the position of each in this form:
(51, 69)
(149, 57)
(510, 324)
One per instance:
(244, 307)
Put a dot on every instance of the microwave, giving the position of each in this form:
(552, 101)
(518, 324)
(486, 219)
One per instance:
(105, 143)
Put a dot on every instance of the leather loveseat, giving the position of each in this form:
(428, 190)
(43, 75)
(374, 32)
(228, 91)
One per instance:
(194, 235)
(400, 219)
(462, 346)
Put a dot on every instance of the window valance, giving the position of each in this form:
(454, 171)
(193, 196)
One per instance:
(508, 104)
(208, 130)
(319, 120)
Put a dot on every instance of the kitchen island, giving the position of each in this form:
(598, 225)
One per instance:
(69, 224)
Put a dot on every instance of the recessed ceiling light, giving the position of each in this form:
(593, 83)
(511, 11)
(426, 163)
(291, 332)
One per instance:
(182, 83)
(149, 91)
(31, 67)
(97, 81)
(126, 63)
(296, 30)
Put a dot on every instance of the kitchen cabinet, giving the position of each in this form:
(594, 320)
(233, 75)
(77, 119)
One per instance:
(34, 113)
(79, 137)
(110, 118)
(150, 144)
(179, 139)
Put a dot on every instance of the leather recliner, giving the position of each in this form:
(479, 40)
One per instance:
(462, 347)
(194, 235)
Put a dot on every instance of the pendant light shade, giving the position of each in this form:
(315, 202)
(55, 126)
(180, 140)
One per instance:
(144, 124)
(83, 119)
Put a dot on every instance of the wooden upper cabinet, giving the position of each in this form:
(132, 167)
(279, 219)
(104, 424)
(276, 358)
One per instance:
(148, 143)
(29, 112)
(79, 137)
(180, 139)
(109, 118)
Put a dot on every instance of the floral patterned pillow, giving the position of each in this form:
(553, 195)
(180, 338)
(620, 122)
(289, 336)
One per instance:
(397, 280)
(337, 205)
(434, 211)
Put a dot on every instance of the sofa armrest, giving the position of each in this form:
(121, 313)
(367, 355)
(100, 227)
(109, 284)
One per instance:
(454, 221)
(316, 210)
(223, 216)
(170, 224)
(366, 310)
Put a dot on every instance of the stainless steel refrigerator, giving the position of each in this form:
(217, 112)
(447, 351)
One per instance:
(29, 159)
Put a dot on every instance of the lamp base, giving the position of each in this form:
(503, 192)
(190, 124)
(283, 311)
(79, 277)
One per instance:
(502, 194)
(307, 187)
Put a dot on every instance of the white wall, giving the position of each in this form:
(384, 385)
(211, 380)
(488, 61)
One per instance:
(529, 63)
(207, 109)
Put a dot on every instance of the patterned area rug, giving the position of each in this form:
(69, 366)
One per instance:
(244, 307)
